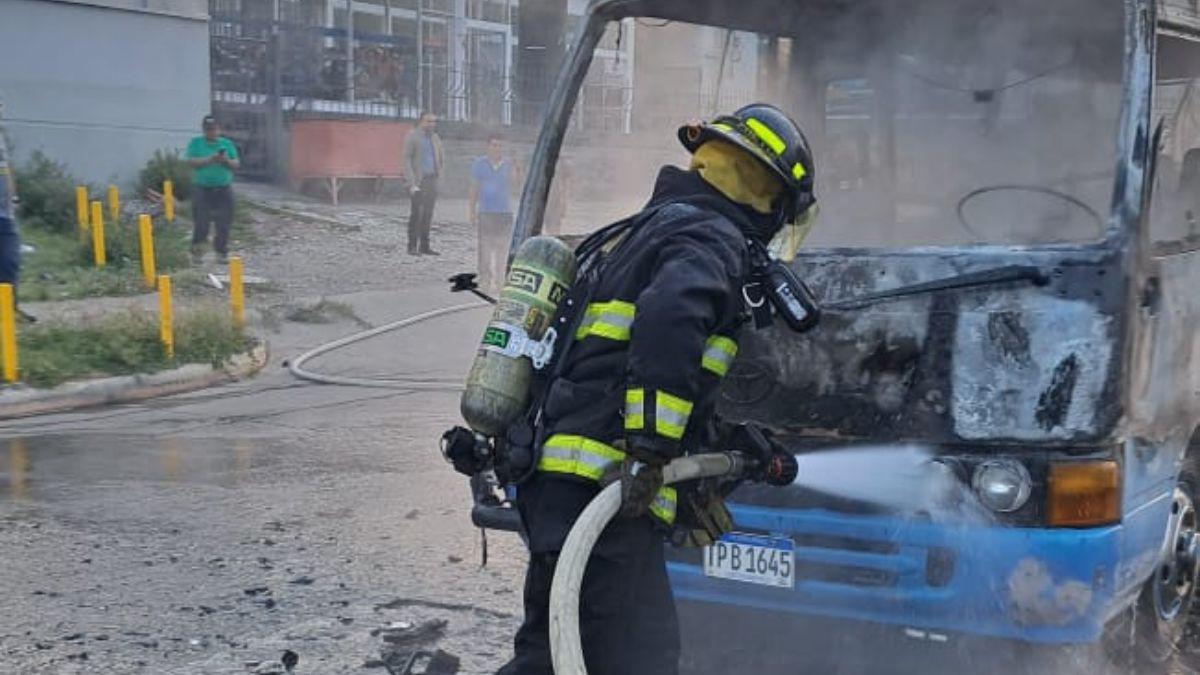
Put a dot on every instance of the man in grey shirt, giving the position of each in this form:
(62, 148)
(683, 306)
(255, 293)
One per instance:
(423, 161)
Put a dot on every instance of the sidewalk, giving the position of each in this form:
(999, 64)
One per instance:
(308, 248)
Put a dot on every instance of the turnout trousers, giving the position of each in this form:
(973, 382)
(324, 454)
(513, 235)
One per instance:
(627, 617)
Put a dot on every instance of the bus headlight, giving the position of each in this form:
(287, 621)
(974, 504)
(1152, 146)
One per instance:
(1003, 485)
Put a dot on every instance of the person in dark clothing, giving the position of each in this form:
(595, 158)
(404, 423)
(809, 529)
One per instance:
(653, 322)
(213, 158)
(10, 239)
(423, 159)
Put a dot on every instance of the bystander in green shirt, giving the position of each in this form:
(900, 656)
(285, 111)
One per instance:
(211, 175)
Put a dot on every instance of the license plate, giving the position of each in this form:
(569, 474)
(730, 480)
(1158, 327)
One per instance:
(753, 559)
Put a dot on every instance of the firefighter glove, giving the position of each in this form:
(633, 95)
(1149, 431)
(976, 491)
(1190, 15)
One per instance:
(640, 483)
(703, 516)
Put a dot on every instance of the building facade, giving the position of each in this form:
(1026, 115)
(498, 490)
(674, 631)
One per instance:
(101, 84)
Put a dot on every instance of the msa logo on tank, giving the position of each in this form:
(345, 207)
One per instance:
(496, 337)
(525, 279)
(531, 281)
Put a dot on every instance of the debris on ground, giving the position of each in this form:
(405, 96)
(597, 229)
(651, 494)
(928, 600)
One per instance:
(405, 633)
(437, 662)
(219, 281)
(270, 668)
(323, 312)
(405, 649)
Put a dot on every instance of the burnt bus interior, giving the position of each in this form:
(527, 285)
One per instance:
(985, 139)
(933, 122)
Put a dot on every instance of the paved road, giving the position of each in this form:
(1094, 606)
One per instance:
(199, 533)
(209, 532)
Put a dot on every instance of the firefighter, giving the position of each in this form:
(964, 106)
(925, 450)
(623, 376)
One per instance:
(654, 330)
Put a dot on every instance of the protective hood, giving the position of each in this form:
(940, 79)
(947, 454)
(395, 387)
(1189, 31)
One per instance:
(737, 175)
(678, 185)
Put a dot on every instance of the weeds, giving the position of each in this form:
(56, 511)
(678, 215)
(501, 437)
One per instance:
(163, 166)
(124, 344)
(47, 195)
(60, 266)
(241, 231)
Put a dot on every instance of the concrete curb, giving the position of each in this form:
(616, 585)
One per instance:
(25, 402)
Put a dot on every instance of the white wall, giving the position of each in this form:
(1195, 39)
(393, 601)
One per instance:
(101, 84)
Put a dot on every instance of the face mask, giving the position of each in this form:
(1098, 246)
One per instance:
(786, 243)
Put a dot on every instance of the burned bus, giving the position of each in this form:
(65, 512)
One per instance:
(1008, 256)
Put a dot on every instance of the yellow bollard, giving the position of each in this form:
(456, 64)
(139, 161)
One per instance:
(166, 332)
(237, 296)
(169, 201)
(114, 204)
(146, 239)
(8, 333)
(98, 234)
(81, 207)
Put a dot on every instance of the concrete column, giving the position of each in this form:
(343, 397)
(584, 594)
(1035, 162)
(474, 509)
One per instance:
(509, 41)
(350, 50)
(420, 56)
(457, 35)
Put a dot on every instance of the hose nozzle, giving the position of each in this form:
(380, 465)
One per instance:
(780, 469)
(767, 461)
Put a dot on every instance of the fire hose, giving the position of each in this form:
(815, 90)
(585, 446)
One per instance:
(566, 647)
(296, 365)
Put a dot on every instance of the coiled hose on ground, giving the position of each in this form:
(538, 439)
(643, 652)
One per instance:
(566, 647)
(296, 365)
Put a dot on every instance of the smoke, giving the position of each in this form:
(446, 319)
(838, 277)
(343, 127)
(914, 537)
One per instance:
(910, 107)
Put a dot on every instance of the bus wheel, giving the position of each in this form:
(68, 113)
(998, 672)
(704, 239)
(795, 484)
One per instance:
(1164, 607)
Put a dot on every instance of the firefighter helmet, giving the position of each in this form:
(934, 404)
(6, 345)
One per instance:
(769, 135)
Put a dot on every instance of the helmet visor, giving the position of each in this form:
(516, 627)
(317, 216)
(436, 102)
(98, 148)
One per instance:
(787, 241)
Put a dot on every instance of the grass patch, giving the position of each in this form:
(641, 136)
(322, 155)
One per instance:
(124, 344)
(60, 267)
(325, 311)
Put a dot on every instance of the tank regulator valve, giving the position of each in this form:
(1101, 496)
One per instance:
(470, 453)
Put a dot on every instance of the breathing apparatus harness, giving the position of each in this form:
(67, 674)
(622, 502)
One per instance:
(497, 464)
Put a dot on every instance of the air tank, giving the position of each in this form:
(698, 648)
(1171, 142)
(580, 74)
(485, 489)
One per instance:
(497, 390)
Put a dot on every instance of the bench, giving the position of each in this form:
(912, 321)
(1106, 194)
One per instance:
(332, 185)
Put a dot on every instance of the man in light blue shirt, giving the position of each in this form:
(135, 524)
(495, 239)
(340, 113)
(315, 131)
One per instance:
(490, 207)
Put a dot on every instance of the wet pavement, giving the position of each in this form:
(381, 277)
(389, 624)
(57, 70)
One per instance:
(232, 530)
(210, 532)
(215, 531)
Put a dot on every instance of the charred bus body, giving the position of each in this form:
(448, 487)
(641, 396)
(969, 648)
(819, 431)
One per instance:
(1009, 262)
